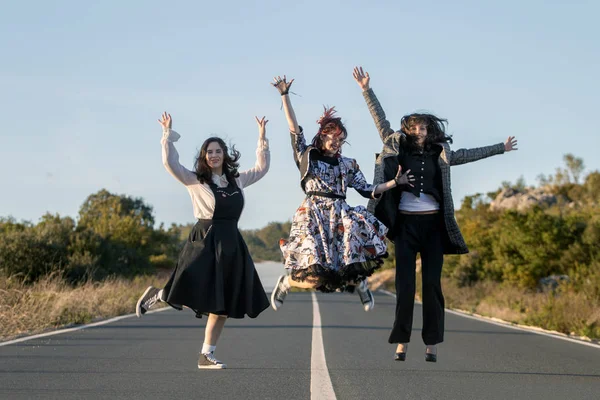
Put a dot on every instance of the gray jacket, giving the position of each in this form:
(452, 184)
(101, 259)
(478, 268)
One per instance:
(385, 207)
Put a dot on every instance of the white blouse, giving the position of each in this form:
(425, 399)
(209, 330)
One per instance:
(203, 199)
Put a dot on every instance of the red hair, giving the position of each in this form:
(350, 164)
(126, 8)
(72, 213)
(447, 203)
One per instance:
(328, 117)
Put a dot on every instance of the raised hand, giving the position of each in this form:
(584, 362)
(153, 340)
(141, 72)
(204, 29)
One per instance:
(510, 144)
(282, 85)
(262, 124)
(404, 179)
(165, 121)
(362, 78)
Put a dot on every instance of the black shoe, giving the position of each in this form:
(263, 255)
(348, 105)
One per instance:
(279, 293)
(400, 356)
(147, 300)
(430, 357)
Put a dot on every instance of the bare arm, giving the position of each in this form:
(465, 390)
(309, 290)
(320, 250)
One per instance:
(399, 180)
(283, 86)
(298, 140)
(290, 115)
(359, 183)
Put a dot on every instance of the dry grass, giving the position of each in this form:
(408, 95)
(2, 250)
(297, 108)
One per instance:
(566, 311)
(51, 303)
(382, 280)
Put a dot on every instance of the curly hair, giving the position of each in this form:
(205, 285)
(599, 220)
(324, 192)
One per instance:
(436, 129)
(230, 164)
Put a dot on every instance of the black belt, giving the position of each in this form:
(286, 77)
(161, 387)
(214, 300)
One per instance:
(326, 194)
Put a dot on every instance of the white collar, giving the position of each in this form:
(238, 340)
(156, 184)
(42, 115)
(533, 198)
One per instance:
(220, 180)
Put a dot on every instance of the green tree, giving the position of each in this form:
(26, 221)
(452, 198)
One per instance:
(117, 232)
(263, 243)
(575, 166)
(28, 252)
(592, 188)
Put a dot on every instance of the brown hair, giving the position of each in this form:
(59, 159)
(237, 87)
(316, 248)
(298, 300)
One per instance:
(436, 128)
(230, 164)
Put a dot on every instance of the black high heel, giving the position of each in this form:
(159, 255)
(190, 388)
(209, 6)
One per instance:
(429, 357)
(400, 356)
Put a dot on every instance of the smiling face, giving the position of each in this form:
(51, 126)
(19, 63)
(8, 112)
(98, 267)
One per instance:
(214, 156)
(332, 138)
(418, 129)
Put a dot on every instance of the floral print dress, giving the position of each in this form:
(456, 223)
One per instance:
(331, 242)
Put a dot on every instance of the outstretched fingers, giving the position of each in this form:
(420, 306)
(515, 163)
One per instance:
(282, 85)
(510, 144)
(261, 122)
(409, 178)
(165, 120)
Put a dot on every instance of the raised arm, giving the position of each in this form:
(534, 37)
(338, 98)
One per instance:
(170, 156)
(263, 157)
(383, 125)
(297, 136)
(283, 86)
(463, 156)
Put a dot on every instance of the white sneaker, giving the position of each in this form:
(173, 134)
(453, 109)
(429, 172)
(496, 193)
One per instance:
(147, 300)
(366, 297)
(278, 294)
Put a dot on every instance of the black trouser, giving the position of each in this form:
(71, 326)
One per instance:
(419, 234)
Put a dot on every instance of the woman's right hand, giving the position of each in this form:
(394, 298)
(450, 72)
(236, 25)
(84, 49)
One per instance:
(362, 78)
(282, 85)
(165, 121)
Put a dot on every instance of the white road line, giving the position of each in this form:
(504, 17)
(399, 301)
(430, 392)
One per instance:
(76, 328)
(538, 331)
(320, 382)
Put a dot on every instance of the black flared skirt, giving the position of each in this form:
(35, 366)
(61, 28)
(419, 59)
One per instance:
(215, 273)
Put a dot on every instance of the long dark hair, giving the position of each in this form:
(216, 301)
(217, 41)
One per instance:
(436, 129)
(328, 116)
(230, 164)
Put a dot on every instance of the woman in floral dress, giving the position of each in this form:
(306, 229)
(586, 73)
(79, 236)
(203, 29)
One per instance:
(332, 246)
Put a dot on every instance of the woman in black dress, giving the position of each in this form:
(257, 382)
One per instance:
(215, 275)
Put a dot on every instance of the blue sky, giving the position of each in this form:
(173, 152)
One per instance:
(83, 85)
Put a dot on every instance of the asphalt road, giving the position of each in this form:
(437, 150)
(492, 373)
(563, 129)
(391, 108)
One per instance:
(275, 357)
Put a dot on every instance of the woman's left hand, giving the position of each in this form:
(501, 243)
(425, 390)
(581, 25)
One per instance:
(510, 144)
(404, 178)
(262, 123)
